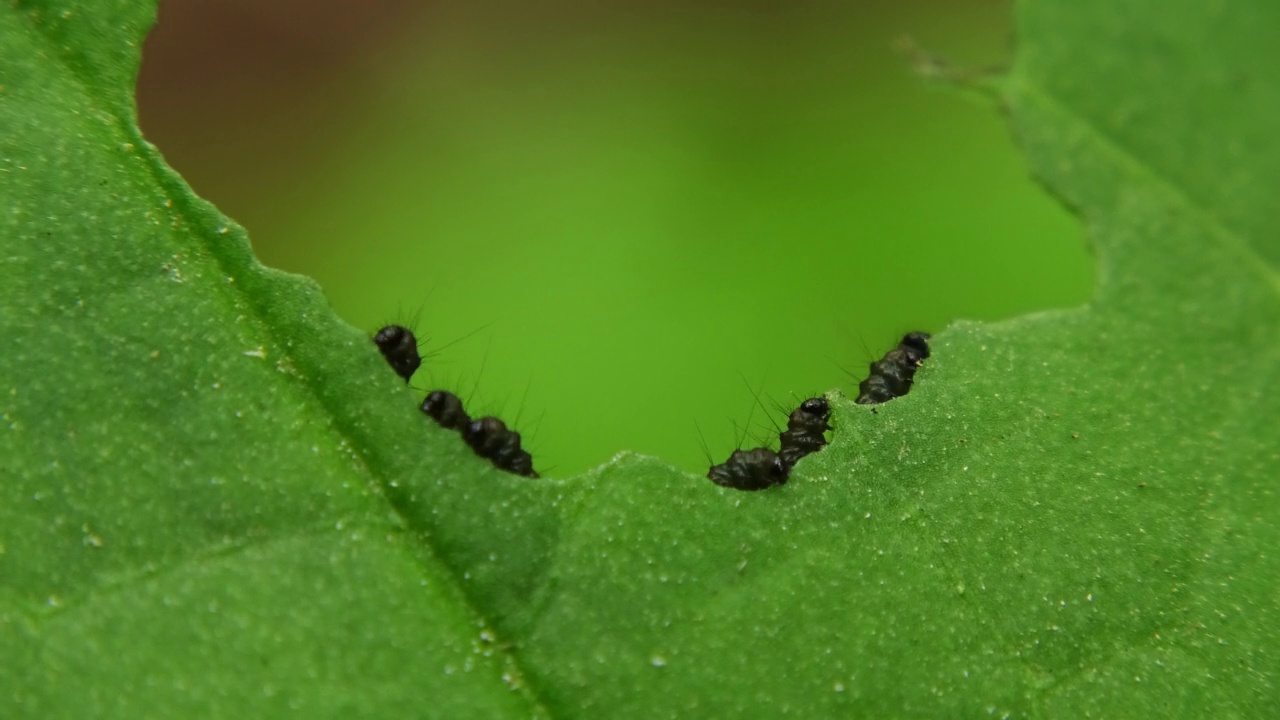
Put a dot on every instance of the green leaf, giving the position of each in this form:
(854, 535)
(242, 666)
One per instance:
(217, 500)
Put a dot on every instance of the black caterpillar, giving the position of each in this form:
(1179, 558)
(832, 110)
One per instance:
(446, 409)
(763, 468)
(489, 437)
(806, 431)
(492, 439)
(750, 470)
(400, 348)
(892, 375)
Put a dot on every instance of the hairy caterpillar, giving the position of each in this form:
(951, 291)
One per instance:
(806, 431)
(750, 470)
(891, 376)
(761, 467)
(489, 437)
(446, 409)
(400, 348)
(492, 439)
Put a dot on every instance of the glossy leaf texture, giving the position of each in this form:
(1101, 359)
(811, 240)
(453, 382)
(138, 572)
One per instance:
(217, 500)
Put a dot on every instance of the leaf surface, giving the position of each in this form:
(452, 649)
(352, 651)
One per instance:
(217, 500)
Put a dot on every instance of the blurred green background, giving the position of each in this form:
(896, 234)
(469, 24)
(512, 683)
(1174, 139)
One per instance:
(636, 204)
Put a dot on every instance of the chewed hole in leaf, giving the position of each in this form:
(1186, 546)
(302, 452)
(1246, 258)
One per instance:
(637, 226)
